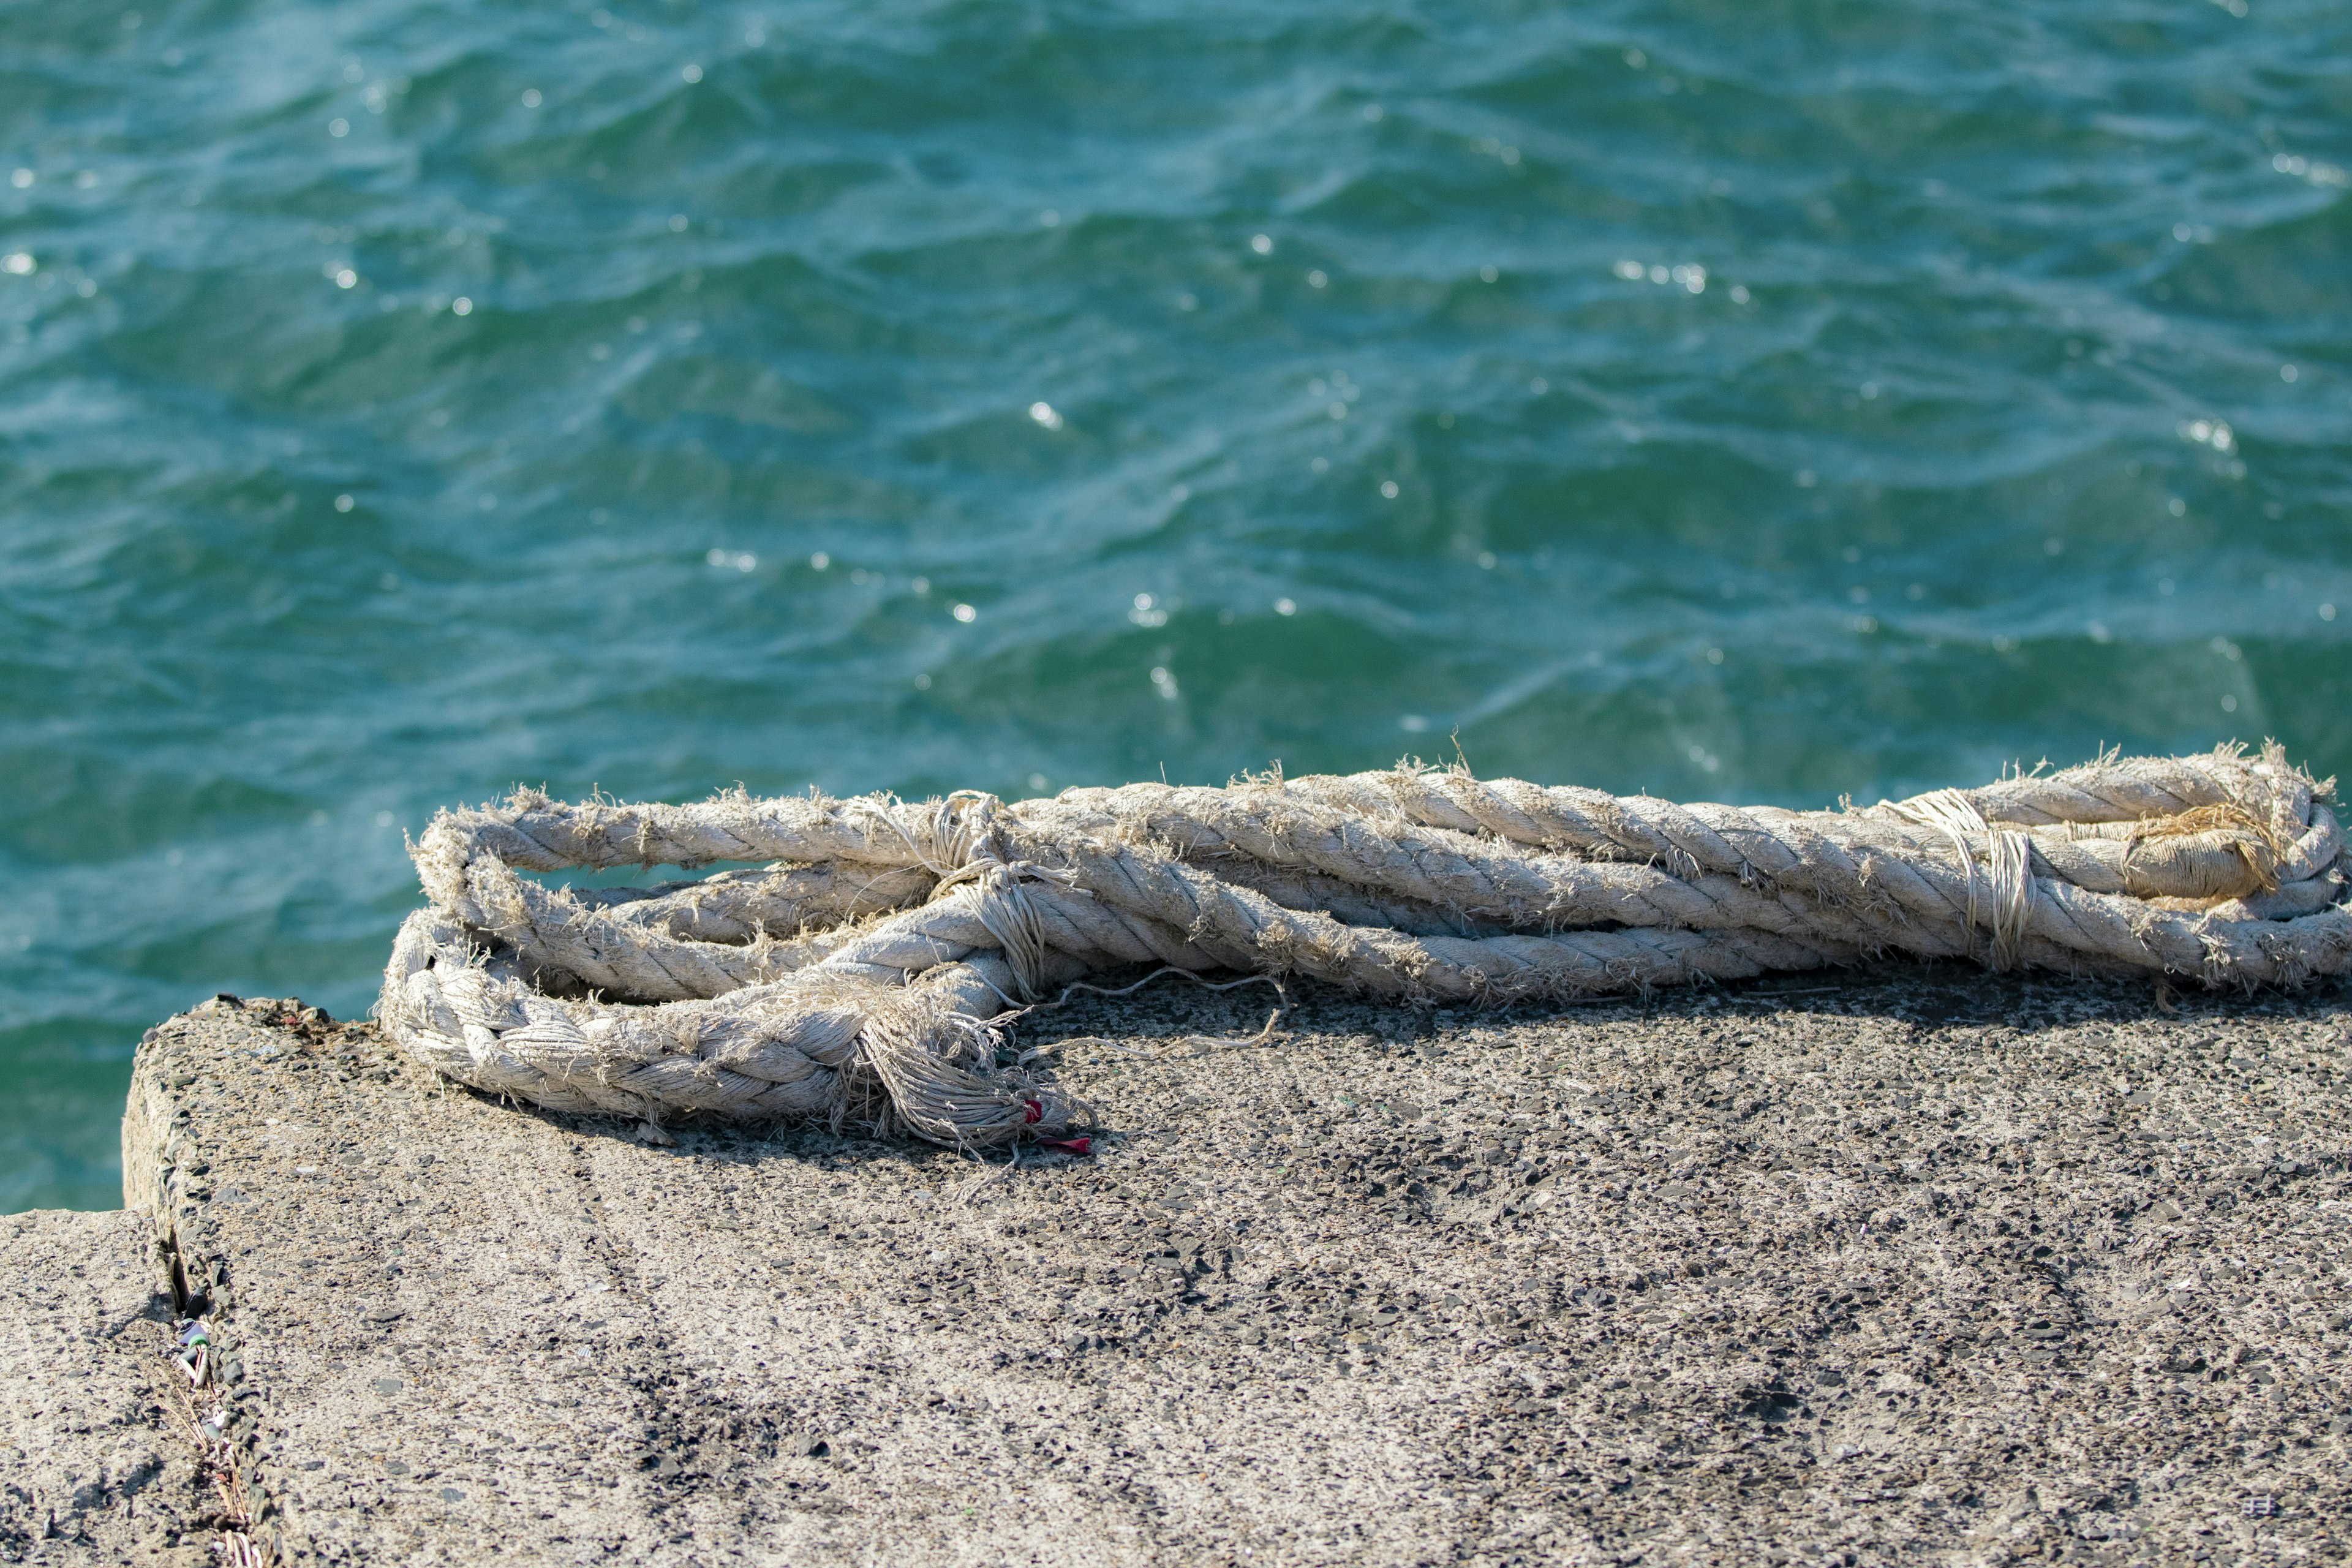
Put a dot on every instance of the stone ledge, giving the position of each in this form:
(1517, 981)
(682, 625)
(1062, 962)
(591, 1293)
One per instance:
(1965, 1267)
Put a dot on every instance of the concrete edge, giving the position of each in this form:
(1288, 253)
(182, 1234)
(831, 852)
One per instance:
(159, 1165)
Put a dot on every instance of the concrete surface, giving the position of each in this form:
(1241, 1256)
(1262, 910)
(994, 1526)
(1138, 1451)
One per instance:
(94, 1466)
(1926, 1267)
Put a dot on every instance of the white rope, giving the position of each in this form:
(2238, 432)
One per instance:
(865, 972)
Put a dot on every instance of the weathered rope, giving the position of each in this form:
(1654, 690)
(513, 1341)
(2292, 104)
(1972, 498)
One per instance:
(863, 976)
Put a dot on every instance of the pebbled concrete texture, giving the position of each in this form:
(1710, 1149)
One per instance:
(94, 1466)
(1924, 1266)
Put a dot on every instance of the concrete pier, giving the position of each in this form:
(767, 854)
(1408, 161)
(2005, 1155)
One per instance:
(1923, 1265)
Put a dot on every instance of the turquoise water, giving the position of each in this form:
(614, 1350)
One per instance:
(400, 400)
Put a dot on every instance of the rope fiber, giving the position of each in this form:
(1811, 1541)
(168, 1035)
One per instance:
(864, 973)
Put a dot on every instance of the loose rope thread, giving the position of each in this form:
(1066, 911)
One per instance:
(865, 974)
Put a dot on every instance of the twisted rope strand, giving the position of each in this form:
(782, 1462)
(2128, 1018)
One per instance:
(863, 974)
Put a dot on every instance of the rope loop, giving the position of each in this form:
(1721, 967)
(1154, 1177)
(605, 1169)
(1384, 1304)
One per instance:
(863, 976)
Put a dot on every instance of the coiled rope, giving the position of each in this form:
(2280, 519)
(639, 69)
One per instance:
(865, 974)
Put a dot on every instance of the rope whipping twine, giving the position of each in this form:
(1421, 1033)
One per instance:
(864, 973)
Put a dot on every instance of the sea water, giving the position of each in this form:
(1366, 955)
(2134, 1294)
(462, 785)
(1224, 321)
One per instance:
(402, 400)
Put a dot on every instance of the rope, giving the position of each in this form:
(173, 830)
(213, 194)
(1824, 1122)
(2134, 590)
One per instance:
(865, 974)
